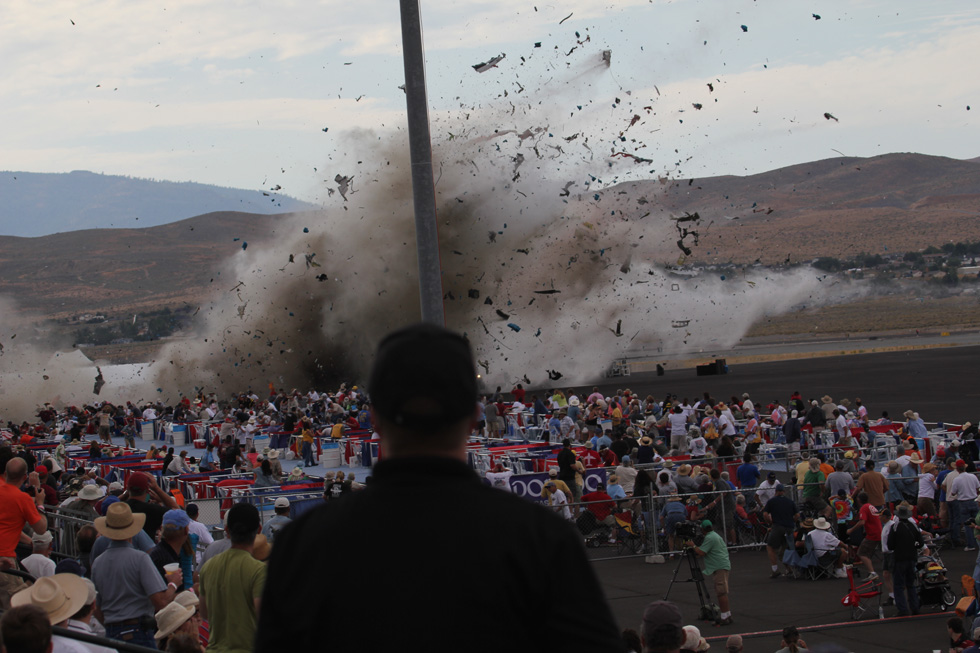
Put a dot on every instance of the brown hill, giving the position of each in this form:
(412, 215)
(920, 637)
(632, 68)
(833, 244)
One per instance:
(117, 270)
(836, 207)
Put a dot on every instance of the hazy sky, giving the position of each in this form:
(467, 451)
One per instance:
(238, 93)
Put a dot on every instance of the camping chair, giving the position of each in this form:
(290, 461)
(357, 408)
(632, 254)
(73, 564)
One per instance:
(860, 598)
(629, 533)
(814, 568)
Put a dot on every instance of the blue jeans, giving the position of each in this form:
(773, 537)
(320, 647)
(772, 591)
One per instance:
(308, 454)
(904, 578)
(966, 511)
(954, 521)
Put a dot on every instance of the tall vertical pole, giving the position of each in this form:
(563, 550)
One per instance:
(423, 186)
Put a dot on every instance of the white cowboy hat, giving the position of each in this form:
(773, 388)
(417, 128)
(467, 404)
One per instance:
(60, 595)
(170, 618)
(821, 524)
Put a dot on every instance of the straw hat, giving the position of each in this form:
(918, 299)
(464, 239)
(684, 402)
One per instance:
(826, 399)
(120, 523)
(61, 596)
(646, 441)
(915, 458)
(296, 473)
(170, 618)
(273, 454)
(187, 599)
(709, 411)
(262, 548)
(91, 493)
(684, 469)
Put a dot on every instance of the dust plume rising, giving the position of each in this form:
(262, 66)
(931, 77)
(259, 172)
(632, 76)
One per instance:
(538, 273)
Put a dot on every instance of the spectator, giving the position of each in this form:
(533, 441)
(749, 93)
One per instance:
(500, 477)
(873, 484)
(39, 563)
(17, 509)
(423, 389)
(174, 619)
(781, 513)
(198, 533)
(958, 639)
(232, 583)
(734, 644)
(173, 540)
(662, 628)
(141, 486)
(868, 520)
(60, 597)
(130, 587)
(277, 523)
(25, 629)
(791, 641)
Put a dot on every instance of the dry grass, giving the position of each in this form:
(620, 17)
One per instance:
(879, 315)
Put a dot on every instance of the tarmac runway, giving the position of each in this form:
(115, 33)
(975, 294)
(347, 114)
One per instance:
(938, 383)
(760, 604)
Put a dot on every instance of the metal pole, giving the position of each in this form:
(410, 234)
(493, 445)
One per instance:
(423, 187)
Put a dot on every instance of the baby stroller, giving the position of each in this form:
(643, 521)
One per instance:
(934, 589)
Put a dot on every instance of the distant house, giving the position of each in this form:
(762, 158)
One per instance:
(968, 271)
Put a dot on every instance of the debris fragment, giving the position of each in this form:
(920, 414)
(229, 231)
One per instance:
(816, 16)
(547, 292)
(310, 263)
(607, 57)
(830, 116)
(344, 184)
(487, 65)
(554, 375)
(502, 315)
(474, 293)
(513, 327)
(565, 18)
(745, 28)
(99, 381)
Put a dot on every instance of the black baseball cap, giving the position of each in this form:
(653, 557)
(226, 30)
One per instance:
(423, 377)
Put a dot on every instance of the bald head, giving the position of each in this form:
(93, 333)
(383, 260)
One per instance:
(16, 470)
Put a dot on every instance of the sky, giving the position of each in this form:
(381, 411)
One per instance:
(257, 94)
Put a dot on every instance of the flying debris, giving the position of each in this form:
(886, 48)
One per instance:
(680, 324)
(816, 16)
(344, 184)
(487, 65)
(618, 331)
(99, 381)
(310, 263)
(502, 315)
(546, 292)
(830, 116)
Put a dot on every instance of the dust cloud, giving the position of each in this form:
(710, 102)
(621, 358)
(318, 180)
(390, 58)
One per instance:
(552, 246)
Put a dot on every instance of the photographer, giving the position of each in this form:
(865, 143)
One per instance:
(717, 565)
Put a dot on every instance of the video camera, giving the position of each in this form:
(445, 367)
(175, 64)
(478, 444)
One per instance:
(687, 530)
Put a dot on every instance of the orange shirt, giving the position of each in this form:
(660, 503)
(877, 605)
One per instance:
(16, 509)
(826, 469)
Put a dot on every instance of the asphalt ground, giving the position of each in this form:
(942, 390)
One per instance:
(763, 605)
(938, 383)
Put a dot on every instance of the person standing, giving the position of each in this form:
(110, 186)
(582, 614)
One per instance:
(277, 523)
(232, 584)
(18, 508)
(904, 541)
(130, 588)
(717, 564)
(423, 392)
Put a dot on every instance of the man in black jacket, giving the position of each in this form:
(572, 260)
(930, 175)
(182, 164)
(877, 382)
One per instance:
(904, 541)
(431, 556)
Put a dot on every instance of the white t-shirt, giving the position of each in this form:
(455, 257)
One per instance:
(765, 491)
(699, 446)
(726, 425)
(678, 424)
(966, 487)
(203, 535)
(748, 407)
(927, 486)
(560, 504)
(38, 565)
(500, 480)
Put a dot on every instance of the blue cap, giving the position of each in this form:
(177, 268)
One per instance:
(176, 518)
(108, 501)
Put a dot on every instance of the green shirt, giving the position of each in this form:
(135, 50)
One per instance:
(230, 583)
(715, 553)
(813, 491)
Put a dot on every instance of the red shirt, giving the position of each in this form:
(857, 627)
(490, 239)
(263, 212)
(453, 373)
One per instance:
(603, 504)
(16, 509)
(872, 523)
(518, 394)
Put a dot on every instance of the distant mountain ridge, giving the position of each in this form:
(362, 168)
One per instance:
(39, 204)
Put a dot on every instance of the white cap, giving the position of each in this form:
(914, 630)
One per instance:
(282, 502)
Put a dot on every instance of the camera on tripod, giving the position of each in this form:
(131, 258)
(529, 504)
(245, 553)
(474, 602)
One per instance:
(688, 530)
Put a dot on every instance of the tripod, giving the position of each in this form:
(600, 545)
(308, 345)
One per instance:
(709, 611)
